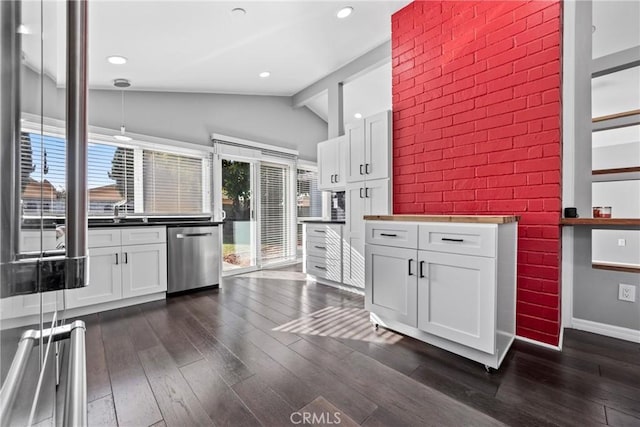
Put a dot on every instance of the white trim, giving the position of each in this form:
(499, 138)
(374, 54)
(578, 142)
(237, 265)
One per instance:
(307, 165)
(612, 331)
(538, 343)
(253, 144)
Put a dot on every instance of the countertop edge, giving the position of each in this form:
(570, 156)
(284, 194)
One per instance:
(471, 219)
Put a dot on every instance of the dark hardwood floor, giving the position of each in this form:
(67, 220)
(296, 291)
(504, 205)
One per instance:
(268, 348)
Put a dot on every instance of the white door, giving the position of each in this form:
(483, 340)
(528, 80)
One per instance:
(355, 151)
(391, 283)
(456, 298)
(144, 270)
(377, 197)
(378, 146)
(105, 279)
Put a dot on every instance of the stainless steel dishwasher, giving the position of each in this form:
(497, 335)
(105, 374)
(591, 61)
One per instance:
(193, 257)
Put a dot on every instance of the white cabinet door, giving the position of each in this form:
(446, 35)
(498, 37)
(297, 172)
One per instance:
(325, 166)
(144, 270)
(391, 283)
(456, 298)
(105, 279)
(353, 262)
(378, 146)
(377, 197)
(356, 207)
(340, 153)
(355, 149)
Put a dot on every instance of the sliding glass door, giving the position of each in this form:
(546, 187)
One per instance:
(277, 215)
(239, 237)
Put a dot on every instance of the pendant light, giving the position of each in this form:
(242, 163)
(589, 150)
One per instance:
(122, 83)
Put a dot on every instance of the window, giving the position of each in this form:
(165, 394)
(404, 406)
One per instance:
(309, 200)
(140, 180)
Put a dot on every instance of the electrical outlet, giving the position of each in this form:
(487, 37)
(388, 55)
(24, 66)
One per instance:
(627, 293)
(622, 242)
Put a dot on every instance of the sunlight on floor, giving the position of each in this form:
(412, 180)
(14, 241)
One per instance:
(337, 322)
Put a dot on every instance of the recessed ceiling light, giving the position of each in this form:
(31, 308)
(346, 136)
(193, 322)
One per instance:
(344, 12)
(357, 115)
(23, 29)
(238, 11)
(264, 74)
(117, 60)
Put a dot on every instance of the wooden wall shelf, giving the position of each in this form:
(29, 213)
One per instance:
(601, 221)
(615, 116)
(615, 171)
(616, 267)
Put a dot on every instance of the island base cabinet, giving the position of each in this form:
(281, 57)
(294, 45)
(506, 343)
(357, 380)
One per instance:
(456, 298)
(391, 283)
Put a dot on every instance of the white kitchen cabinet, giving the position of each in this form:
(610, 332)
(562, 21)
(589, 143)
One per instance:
(450, 284)
(105, 279)
(362, 198)
(37, 241)
(369, 148)
(331, 164)
(392, 283)
(323, 251)
(144, 270)
(456, 298)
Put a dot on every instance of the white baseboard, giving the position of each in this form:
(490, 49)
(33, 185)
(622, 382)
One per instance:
(538, 343)
(619, 332)
(340, 286)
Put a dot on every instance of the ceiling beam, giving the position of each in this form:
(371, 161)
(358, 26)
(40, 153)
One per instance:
(361, 65)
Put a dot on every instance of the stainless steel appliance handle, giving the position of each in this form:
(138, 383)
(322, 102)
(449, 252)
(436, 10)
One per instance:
(182, 236)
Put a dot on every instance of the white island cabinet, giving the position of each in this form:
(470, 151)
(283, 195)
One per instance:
(447, 280)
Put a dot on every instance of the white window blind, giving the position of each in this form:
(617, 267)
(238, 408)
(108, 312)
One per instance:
(309, 198)
(275, 214)
(172, 183)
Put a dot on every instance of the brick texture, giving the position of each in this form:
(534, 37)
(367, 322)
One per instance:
(476, 100)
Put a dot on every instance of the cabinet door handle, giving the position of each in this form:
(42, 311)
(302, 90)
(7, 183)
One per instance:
(447, 239)
(361, 193)
(336, 181)
(332, 179)
(117, 260)
(367, 168)
(361, 173)
(126, 258)
(421, 269)
(410, 272)
(320, 231)
(388, 235)
(320, 247)
(366, 191)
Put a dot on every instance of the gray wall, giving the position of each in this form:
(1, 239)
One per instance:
(191, 117)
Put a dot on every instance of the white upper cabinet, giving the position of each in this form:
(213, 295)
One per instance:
(331, 164)
(369, 148)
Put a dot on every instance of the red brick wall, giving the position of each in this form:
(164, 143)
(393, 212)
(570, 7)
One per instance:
(476, 100)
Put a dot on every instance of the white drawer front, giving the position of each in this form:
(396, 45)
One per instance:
(325, 268)
(104, 237)
(464, 239)
(31, 241)
(387, 233)
(330, 248)
(143, 235)
(324, 230)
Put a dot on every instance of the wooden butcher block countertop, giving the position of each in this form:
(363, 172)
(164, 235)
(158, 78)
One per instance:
(472, 219)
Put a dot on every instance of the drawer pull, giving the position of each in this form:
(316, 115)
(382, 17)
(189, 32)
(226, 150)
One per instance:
(421, 273)
(410, 261)
(388, 235)
(321, 247)
(447, 239)
(320, 231)
(320, 268)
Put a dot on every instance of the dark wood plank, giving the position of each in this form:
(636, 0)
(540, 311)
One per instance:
(620, 419)
(101, 412)
(139, 330)
(264, 403)
(132, 396)
(98, 383)
(322, 413)
(178, 403)
(221, 403)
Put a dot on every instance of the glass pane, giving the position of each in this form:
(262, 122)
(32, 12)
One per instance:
(110, 179)
(275, 217)
(239, 226)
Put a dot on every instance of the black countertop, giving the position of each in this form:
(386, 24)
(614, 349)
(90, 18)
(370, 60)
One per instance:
(322, 221)
(51, 223)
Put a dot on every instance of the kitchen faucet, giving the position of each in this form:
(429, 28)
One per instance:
(116, 209)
